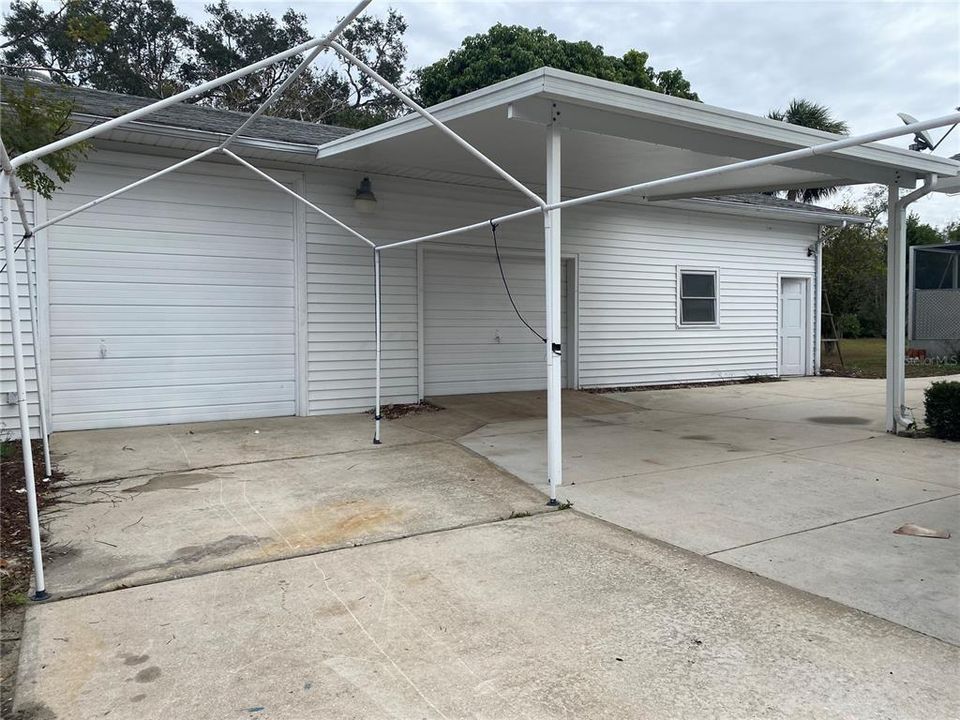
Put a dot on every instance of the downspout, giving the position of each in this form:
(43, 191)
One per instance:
(897, 252)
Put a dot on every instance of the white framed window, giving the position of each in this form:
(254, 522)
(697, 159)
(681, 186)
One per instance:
(698, 295)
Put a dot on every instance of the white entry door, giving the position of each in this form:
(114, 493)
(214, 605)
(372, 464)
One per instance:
(793, 326)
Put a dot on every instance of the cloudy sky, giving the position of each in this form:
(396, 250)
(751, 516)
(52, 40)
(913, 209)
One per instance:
(865, 60)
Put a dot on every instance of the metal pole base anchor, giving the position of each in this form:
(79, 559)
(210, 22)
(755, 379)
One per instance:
(40, 596)
(553, 502)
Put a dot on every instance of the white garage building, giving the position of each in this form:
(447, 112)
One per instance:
(208, 294)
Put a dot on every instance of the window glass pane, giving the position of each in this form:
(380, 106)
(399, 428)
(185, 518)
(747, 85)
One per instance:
(693, 285)
(698, 311)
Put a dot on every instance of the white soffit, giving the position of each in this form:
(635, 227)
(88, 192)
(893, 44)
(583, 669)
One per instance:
(617, 135)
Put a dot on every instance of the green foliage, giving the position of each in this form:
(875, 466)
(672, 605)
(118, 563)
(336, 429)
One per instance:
(919, 233)
(506, 51)
(951, 233)
(848, 325)
(854, 273)
(232, 39)
(147, 48)
(125, 46)
(818, 117)
(31, 120)
(942, 409)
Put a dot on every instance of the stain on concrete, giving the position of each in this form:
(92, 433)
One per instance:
(138, 698)
(173, 481)
(334, 525)
(148, 674)
(218, 548)
(129, 659)
(838, 420)
(705, 438)
(35, 711)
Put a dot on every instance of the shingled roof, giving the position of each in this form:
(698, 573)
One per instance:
(100, 103)
(103, 104)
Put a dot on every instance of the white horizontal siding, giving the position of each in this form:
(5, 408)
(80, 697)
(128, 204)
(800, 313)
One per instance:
(628, 257)
(205, 303)
(174, 302)
(9, 419)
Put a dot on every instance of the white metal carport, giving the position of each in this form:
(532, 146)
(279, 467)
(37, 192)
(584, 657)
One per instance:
(623, 142)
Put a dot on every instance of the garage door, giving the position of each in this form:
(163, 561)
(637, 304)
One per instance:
(473, 340)
(173, 303)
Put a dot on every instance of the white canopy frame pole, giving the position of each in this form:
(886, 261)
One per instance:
(552, 261)
(378, 332)
(103, 127)
(426, 115)
(697, 175)
(7, 183)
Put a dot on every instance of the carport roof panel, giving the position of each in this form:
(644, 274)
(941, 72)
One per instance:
(617, 135)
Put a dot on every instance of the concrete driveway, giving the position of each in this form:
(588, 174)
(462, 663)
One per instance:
(288, 569)
(793, 480)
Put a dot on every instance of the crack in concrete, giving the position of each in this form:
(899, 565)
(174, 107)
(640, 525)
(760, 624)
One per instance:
(830, 524)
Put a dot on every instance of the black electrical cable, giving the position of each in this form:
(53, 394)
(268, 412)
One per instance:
(496, 247)
(4, 267)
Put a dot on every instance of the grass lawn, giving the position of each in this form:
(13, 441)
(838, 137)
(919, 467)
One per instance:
(866, 357)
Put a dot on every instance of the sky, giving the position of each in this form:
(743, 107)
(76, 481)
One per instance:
(867, 61)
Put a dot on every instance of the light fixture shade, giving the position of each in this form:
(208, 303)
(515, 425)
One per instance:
(365, 201)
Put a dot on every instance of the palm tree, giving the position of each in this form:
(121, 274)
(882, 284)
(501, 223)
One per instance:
(809, 114)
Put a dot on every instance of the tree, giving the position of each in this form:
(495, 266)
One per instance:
(919, 233)
(127, 46)
(146, 48)
(31, 120)
(951, 233)
(854, 270)
(379, 44)
(232, 39)
(819, 117)
(506, 51)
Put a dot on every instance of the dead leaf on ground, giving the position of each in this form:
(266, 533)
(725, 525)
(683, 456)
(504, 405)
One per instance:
(918, 531)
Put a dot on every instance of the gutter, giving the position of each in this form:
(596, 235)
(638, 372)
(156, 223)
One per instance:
(818, 217)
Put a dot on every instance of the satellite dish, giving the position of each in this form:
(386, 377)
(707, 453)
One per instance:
(921, 140)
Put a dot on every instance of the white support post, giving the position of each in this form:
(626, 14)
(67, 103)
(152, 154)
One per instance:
(18, 367)
(34, 305)
(896, 319)
(377, 333)
(551, 233)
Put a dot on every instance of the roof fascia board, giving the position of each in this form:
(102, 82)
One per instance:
(560, 85)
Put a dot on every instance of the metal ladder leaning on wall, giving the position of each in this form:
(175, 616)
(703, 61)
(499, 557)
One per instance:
(834, 338)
